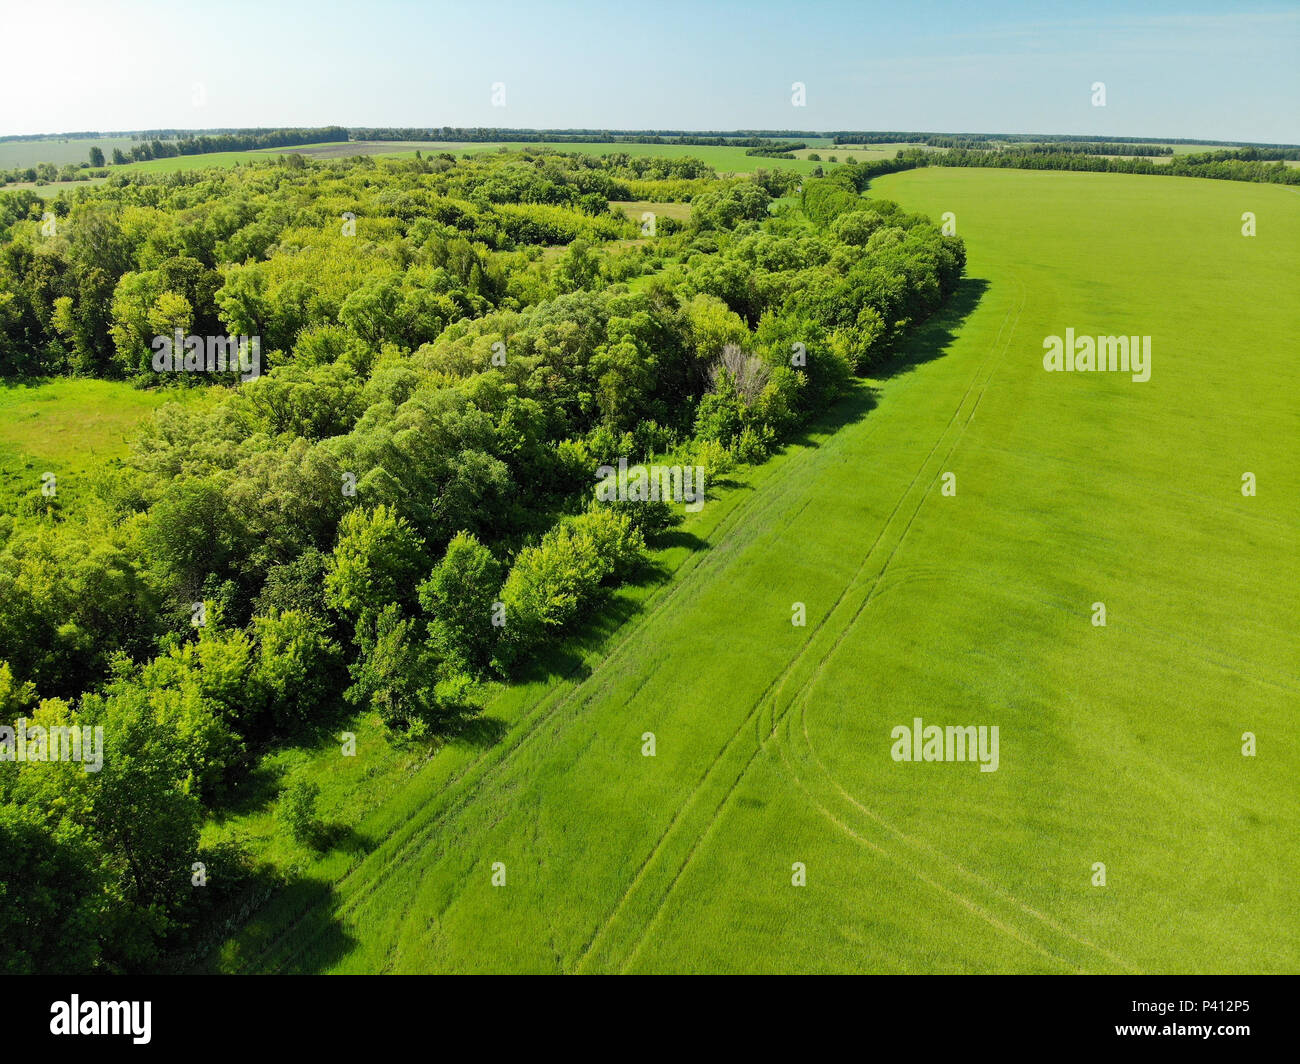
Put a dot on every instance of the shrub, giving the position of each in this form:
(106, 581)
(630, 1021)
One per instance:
(297, 808)
(294, 667)
(457, 597)
(550, 584)
(754, 444)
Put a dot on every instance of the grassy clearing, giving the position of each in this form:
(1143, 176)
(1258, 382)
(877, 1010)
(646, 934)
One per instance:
(860, 154)
(1118, 744)
(52, 188)
(196, 162)
(635, 208)
(348, 148)
(70, 427)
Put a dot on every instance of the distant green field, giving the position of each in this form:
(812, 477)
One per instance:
(858, 154)
(634, 209)
(195, 162)
(1190, 149)
(52, 188)
(345, 149)
(58, 150)
(1119, 744)
(723, 159)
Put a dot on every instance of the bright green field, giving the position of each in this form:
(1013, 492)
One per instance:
(859, 154)
(196, 162)
(53, 188)
(722, 159)
(14, 153)
(725, 160)
(1118, 744)
(70, 427)
(151, 166)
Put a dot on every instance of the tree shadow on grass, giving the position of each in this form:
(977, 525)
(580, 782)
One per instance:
(301, 914)
(336, 835)
(474, 729)
(668, 539)
(257, 778)
(256, 789)
(930, 340)
(926, 342)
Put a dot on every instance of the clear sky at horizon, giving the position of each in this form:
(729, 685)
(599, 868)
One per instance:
(1227, 71)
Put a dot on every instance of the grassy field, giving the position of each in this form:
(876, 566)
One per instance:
(858, 154)
(196, 162)
(725, 160)
(348, 148)
(52, 188)
(58, 150)
(634, 209)
(70, 427)
(1118, 744)
(722, 159)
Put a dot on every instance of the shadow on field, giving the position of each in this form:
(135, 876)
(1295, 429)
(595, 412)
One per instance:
(256, 904)
(257, 789)
(262, 777)
(926, 342)
(477, 731)
(562, 659)
(307, 907)
(932, 338)
(337, 835)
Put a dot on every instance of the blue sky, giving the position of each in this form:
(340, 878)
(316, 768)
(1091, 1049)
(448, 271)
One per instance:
(1207, 70)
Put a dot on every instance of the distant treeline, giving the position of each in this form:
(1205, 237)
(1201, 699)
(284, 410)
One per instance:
(1253, 154)
(243, 140)
(737, 139)
(744, 138)
(144, 134)
(1228, 165)
(777, 150)
(963, 140)
(1081, 147)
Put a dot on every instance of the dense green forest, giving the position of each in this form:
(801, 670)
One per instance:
(400, 502)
